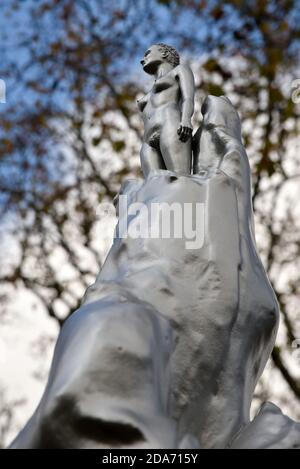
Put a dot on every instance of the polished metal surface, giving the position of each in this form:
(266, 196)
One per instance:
(167, 111)
(169, 343)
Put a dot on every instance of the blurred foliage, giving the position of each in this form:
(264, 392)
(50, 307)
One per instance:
(7, 411)
(70, 131)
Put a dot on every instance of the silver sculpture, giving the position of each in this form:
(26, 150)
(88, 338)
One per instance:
(167, 111)
(169, 343)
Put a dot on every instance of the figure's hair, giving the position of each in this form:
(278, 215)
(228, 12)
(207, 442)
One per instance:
(169, 53)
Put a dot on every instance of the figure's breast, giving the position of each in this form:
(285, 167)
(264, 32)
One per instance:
(142, 103)
(165, 91)
(163, 84)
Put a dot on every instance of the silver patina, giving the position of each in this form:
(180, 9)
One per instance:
(167, 111)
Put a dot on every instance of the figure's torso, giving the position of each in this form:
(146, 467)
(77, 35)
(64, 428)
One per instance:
(165, 96)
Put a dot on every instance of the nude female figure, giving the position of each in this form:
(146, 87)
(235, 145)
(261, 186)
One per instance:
(167, 111)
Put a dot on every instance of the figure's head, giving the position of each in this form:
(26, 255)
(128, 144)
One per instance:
(157, 54)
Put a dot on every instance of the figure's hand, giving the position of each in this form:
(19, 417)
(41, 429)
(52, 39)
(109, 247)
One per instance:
(185, 132)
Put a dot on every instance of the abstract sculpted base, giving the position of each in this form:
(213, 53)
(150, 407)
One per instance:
(170, 342)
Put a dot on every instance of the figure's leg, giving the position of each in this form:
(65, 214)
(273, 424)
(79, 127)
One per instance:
(150, 159)
(177, 155)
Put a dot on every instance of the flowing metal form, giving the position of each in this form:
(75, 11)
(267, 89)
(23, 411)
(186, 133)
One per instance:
(169, 343)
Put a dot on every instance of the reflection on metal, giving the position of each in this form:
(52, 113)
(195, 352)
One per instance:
(169, 343)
